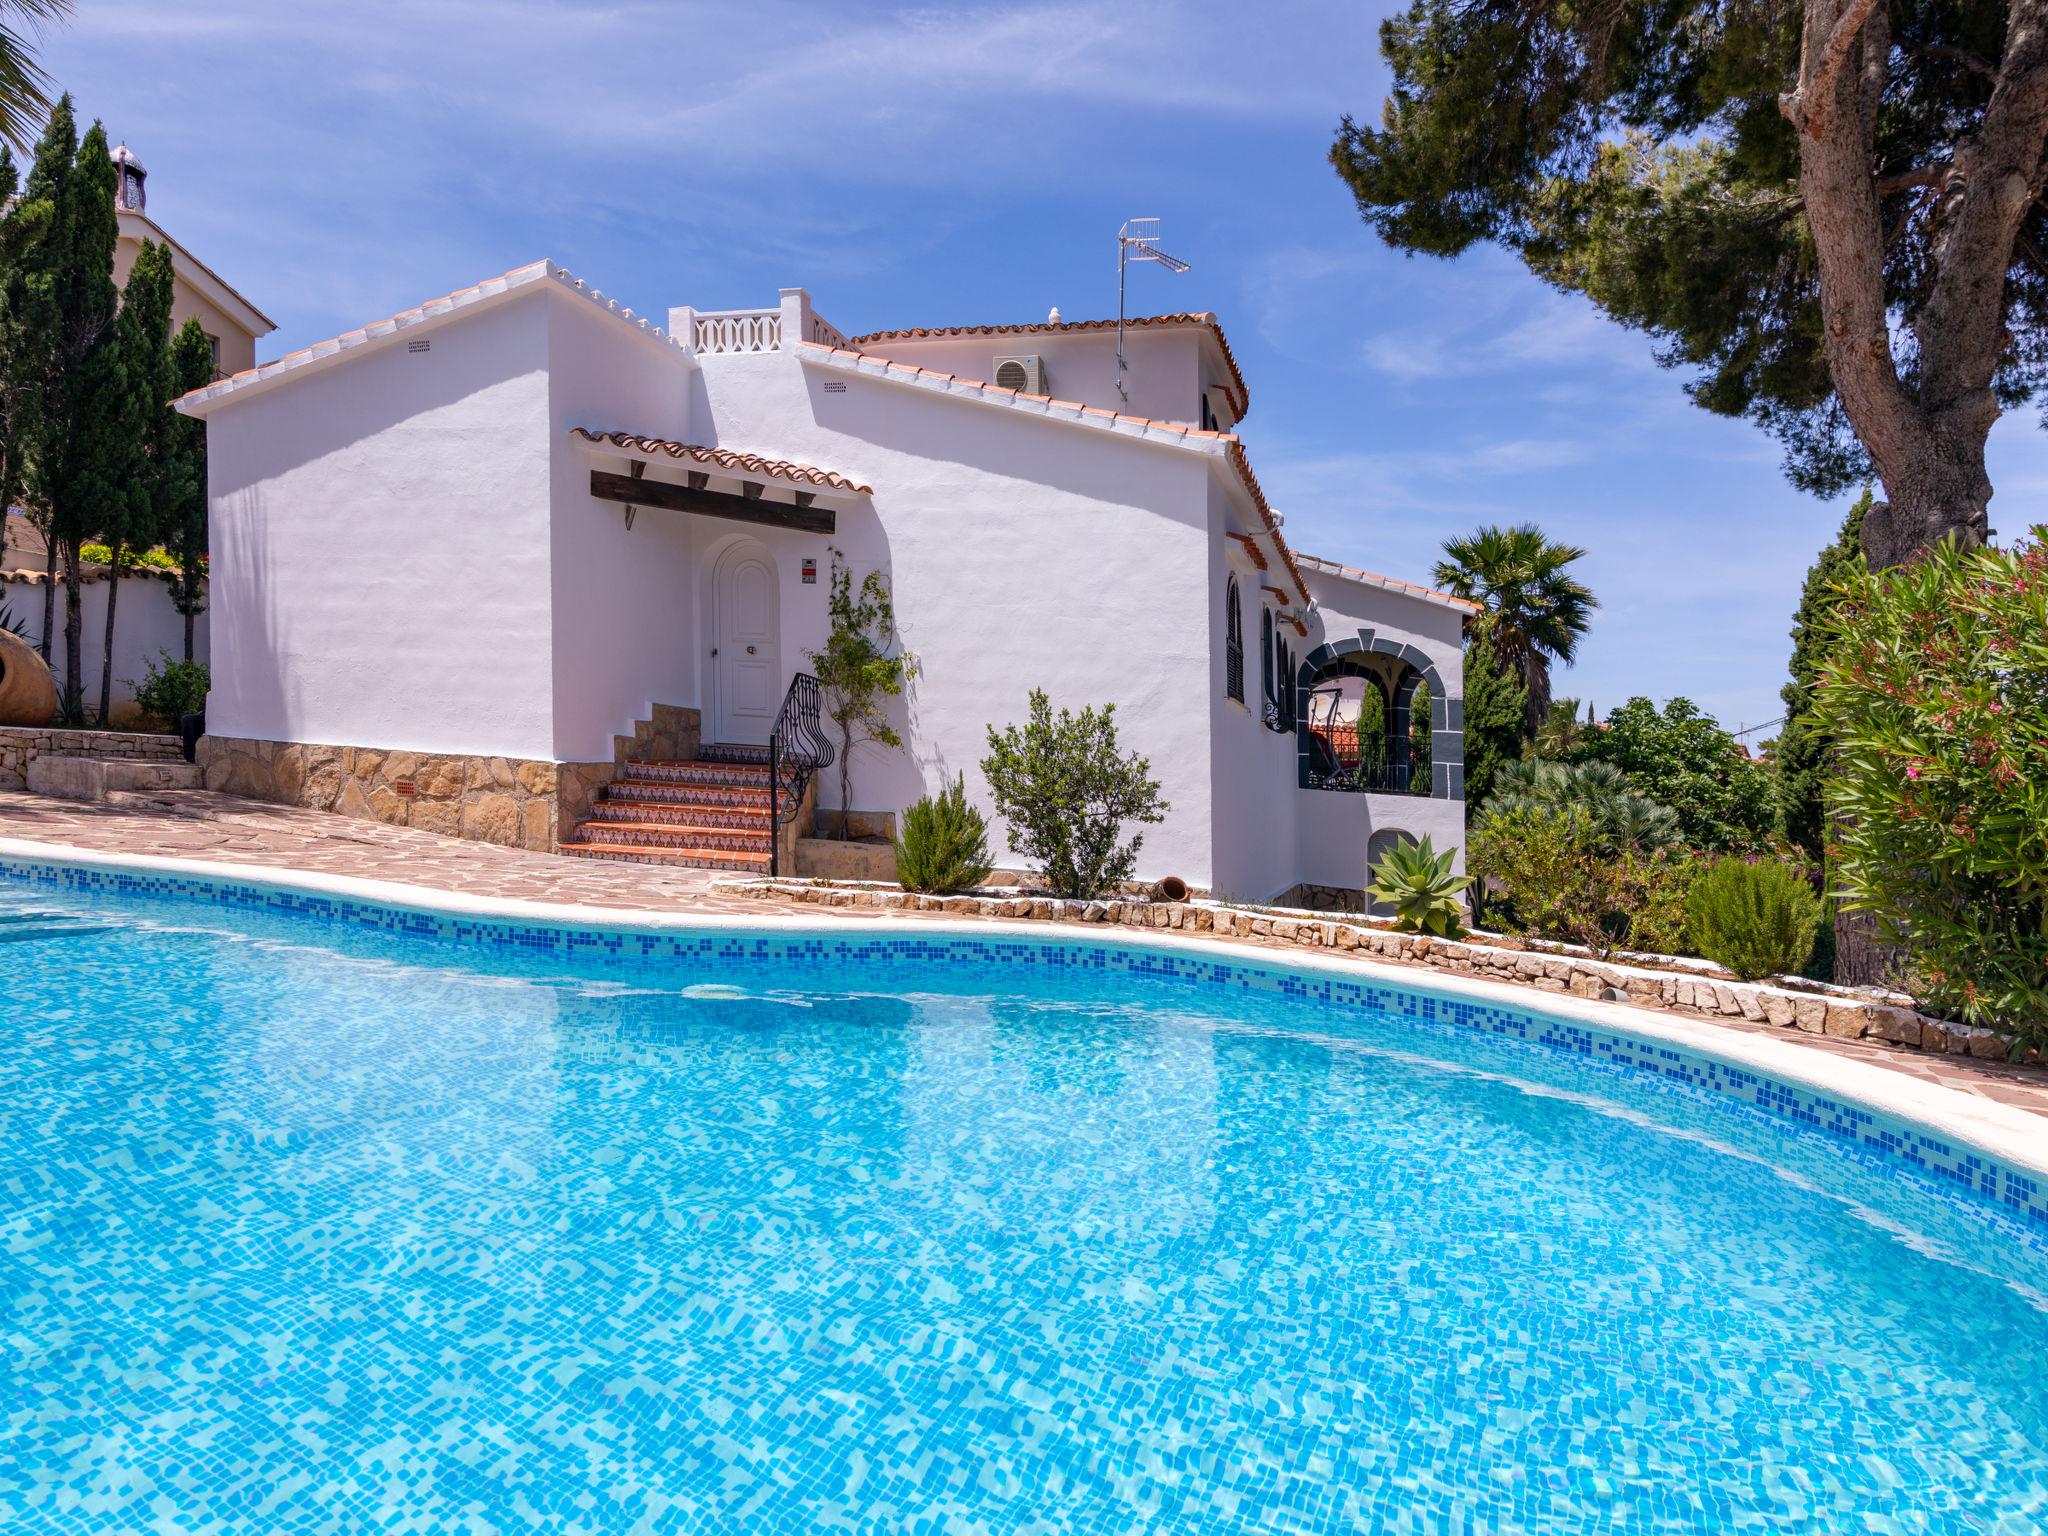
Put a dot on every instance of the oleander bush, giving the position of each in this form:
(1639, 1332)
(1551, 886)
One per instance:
(1755, 917)
(1416, 881)
(944, 846)
(1935, 693)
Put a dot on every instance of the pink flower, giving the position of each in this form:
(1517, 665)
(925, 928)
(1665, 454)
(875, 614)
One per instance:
(1913, 772)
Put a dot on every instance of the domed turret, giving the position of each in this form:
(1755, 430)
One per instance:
(129, 177)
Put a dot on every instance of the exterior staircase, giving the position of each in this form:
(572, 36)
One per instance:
(710, 812)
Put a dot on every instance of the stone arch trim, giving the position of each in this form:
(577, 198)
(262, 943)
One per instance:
(1446, 713)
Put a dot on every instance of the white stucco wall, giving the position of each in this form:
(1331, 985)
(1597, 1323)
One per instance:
(147, 625)
(1022, 553)
(381, 544)
(1164, 378)
(624, 600)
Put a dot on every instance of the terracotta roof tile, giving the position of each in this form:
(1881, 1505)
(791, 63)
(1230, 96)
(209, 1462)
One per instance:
(1391, 583)
(728, 459)
(1238, 390)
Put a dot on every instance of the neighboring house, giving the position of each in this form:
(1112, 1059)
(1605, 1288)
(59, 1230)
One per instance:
(230, 321)
(471, 561)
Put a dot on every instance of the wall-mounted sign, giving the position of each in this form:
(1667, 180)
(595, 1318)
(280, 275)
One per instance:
(810, 573)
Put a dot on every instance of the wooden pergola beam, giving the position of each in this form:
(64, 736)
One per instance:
(671, 497)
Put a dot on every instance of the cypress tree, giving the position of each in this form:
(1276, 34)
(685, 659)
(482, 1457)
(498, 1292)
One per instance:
(185, 475)
(35, 301)
(142, 340)
(1495, 702)
(88, 456)
(1803, 746)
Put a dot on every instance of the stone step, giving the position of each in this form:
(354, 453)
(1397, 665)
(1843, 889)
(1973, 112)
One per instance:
(694, 858)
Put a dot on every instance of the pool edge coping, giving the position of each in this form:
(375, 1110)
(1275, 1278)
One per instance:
(1997, 1130)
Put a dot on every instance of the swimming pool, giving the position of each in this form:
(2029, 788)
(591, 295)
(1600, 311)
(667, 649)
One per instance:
(325, 1215)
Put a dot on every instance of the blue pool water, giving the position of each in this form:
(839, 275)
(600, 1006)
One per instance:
(310, 1227)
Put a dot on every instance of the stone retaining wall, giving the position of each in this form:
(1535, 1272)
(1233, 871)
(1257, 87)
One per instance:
(486, 799)
(1888, 1017)
(20, 743)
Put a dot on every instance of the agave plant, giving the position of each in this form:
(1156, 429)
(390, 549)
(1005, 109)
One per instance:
(1416, 881)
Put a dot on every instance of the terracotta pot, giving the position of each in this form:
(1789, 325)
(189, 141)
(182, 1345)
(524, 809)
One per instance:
(28, 694)
(1172, 888)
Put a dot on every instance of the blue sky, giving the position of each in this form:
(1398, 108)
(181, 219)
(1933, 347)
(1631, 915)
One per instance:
(957, 165)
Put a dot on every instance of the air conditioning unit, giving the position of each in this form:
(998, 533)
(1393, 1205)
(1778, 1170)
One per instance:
(1024, 371)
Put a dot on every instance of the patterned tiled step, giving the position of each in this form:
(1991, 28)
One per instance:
(694, 858)
(732, 754)
(605, 829)
(684, 811)
(736, 801)
(709, 774)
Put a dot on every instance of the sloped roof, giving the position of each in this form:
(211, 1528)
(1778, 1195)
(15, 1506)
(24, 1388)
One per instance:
(1390, 583)
(731, 460)
(1241, 392)
(199, 400)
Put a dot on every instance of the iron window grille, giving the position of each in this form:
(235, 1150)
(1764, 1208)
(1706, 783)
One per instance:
(1233, 643)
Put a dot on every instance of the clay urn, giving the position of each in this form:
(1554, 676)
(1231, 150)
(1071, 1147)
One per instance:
(28, 693)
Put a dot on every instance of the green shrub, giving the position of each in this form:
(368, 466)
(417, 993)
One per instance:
(170, 689)
(1562, 878)
(1066, 792)
(1935, 692)
(1756, 918)
(147, 559)
(944, 846)
(1621, 817)
(1417, 882)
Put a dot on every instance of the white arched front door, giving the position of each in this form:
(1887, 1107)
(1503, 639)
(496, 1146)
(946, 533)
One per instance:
(746, 671)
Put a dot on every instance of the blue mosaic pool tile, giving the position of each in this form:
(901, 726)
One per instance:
(2019, 1194)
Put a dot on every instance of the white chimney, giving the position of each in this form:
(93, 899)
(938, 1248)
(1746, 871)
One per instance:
(1054, 317)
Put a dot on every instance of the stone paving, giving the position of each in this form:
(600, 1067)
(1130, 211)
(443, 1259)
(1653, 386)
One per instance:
(197, 824)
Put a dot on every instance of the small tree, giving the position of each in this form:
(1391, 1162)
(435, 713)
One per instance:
(1494, 701)
(1066, 791)
(859, 669)
(1681, 757)
(1801, 756)
(1421, 743)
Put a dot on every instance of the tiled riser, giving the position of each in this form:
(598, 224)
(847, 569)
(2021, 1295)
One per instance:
(836, 956)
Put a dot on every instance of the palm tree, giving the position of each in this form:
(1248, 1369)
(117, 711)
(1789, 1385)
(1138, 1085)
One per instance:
(24, 102)
(1534, 610)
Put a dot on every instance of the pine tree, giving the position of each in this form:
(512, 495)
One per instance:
(142, 338)
(1494, 702)
(184, 527)
(1803, 746)
(87, 454)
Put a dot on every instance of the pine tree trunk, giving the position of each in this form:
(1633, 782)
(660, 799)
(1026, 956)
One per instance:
(74, 626)
(1862, 959)
(107, 654)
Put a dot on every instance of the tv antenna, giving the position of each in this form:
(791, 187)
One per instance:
(1138, 240)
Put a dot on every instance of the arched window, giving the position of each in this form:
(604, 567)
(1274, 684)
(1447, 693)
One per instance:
(1283, 685)
(1233, 643)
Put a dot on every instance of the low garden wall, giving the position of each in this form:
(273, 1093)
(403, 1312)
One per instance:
(1808, 1007)
(21, 744)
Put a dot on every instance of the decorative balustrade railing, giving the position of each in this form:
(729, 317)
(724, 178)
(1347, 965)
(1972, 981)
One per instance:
(734, 330)
(825, 333)
(797, 748)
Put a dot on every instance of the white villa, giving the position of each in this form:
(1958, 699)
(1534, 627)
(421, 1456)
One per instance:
(518, 565)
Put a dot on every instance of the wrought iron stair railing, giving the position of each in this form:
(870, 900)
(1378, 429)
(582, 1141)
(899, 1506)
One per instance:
(797, 748)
